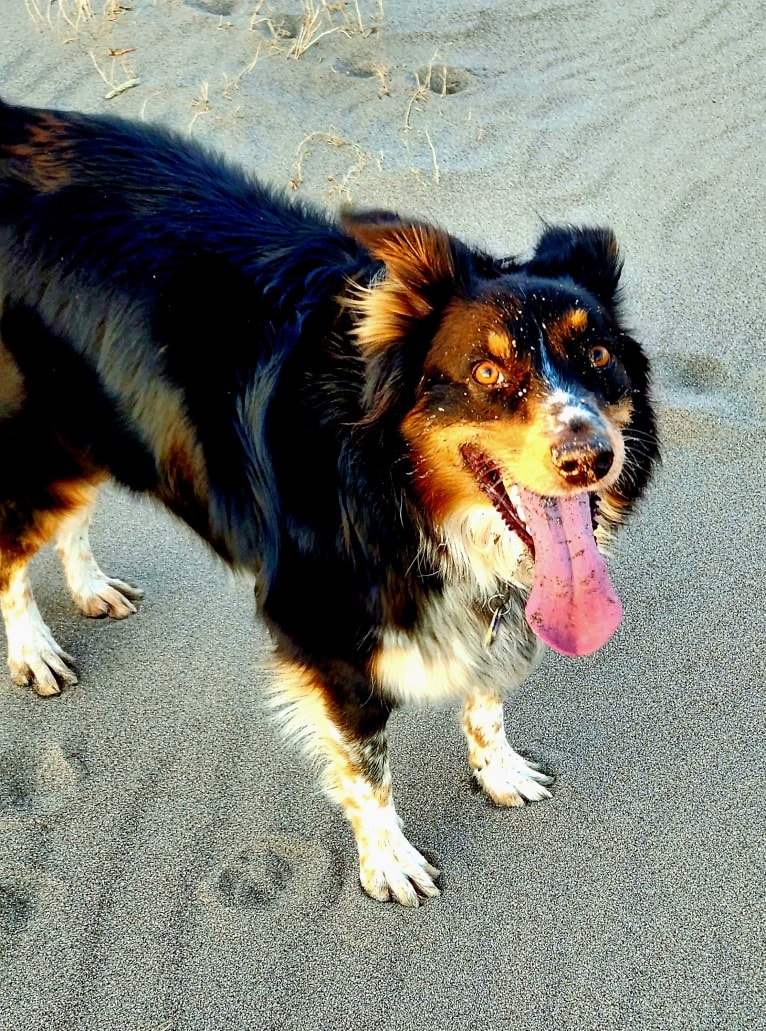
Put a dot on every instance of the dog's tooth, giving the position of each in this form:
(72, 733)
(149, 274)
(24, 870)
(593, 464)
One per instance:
(515, 497)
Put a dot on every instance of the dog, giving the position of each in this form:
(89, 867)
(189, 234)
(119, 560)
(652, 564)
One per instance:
(420, 451)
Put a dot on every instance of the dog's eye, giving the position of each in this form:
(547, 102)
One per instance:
(599, 357)
(487, 374)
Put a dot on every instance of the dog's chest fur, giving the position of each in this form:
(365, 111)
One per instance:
(471, 634)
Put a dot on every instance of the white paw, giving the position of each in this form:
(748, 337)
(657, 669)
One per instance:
(104, 596)
(36, 660)
(390, 868)
(511, 780)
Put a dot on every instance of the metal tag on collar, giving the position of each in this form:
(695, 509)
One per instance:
(491, 633)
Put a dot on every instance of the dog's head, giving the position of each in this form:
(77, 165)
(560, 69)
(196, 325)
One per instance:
(518, 392)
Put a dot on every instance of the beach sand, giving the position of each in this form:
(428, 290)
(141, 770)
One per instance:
(165, 862)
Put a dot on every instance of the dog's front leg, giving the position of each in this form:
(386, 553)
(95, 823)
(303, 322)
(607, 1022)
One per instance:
(349, 740)
(389, 866)
(507, 777)
(34, 657)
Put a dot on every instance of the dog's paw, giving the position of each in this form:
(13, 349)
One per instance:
(37, 661)
(390, 868)
(511, 780)
(101, 596)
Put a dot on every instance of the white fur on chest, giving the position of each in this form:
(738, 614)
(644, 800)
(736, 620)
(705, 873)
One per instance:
(448, 655)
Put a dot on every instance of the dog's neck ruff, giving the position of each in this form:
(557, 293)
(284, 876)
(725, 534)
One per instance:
(572, 607)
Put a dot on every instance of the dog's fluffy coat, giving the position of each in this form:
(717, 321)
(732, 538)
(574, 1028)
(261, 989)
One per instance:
(386, 426)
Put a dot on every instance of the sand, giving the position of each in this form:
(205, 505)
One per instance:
(165, 862)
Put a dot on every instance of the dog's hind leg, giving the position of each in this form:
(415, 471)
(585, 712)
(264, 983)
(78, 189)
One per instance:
(507, 777)
(94, 593)
(357, 777)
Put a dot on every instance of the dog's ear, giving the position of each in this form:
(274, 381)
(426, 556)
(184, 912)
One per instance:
(587, 255)
(418, 257)
(392, 313)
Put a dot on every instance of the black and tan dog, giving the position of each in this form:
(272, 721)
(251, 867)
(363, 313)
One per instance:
(416, 448)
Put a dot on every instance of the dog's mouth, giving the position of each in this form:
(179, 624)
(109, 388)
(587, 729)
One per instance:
(572, 606)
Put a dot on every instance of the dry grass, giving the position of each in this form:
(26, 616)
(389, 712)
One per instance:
(112, 9)
(201, 105)
(380, 71)
(63, 18)
(423, 88)
(78, 21)
(437, 173)
(232, 84)
(313, 27)
(293, 36)
(68, 18)
(339, 186)
(126, 79)
(375, 22)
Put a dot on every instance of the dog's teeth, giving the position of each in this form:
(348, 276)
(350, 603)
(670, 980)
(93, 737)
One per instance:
(515, 497)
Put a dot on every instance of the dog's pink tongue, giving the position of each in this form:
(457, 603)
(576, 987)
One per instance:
(573, 606)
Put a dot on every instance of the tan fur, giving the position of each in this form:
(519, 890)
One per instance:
(12, 390)
(41, 160)
(499, 345)
(68, 496)
(181, 459)
(566, 328)
(383, 311)
(621, 413)
(415, 255)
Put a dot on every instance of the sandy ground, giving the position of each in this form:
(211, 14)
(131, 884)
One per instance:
(164, 862)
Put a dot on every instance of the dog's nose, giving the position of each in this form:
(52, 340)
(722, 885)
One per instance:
(581, 462)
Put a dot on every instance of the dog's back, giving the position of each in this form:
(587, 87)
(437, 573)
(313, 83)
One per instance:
(157, 274)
